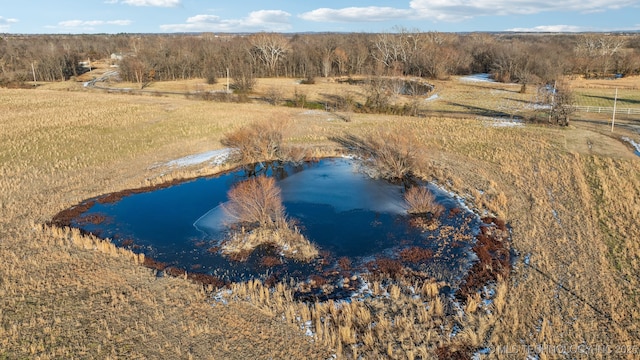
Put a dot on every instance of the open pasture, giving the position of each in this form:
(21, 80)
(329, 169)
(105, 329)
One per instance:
(571, 197)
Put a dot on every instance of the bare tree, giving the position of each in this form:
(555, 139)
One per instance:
(359, 53)
(244, 79)
(388, 50)
(256, 200)
(133, 69)
(378, 96)
(341, 58)
(562, 104)
(270, 49)
(597, 51)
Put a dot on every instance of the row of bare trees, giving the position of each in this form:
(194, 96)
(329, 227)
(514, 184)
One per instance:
(48, 57)
(509, 57)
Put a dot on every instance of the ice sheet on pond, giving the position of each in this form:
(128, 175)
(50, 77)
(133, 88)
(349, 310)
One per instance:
(337, 184)
(214, 222)
(634, 144)
(341, 186)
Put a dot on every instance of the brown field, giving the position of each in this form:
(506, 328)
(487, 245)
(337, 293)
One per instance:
(570, 195)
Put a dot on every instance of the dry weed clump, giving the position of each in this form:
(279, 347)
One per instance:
(270, 261)
(256, 204)
(260, 141)
(416, 254)
(423, 208)
(344, 263)
(386, 268)
(283, 236)
(494, 258)
(420, 200)
(393, 153)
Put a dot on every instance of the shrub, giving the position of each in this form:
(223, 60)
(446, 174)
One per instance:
(261, 141)
(309, 80)
(378, 96)
(394, 155)
(420, 200)
(273, 95)
(210, 76)
(299, 99)
(256, 201)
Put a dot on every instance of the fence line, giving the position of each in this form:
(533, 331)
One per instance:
(608, 110)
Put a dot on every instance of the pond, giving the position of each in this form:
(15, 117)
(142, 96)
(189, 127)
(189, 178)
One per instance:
(411, 87)
(359, 224)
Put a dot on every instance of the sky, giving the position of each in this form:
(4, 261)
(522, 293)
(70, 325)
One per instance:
(292, 16)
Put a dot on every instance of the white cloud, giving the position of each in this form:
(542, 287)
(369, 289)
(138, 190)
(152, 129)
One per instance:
(571, 28)
(356, 14)
(5, 23)
(551, 29)
(457, 10)
(450, 9)
(88, 25)
(262, 20)
(119, 22)
(158, 3)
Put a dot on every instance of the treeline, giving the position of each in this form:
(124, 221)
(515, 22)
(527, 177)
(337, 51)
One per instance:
(523, 58)
(50, 57)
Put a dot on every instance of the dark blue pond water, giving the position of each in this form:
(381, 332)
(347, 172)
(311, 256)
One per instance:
(340, 209)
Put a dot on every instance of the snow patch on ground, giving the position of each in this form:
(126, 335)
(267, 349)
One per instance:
(502, 122)
(633, 143)
(541, 106)
(432, 97)
(314, 112)
(480, 354)
(306, 327)
(322, 115)
(478, 78)
(214, 157)
(221, 296)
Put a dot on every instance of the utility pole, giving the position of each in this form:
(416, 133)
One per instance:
(553, 93)
(33, 70)
(613, 117)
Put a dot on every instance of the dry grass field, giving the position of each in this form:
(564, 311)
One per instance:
(570, 195)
